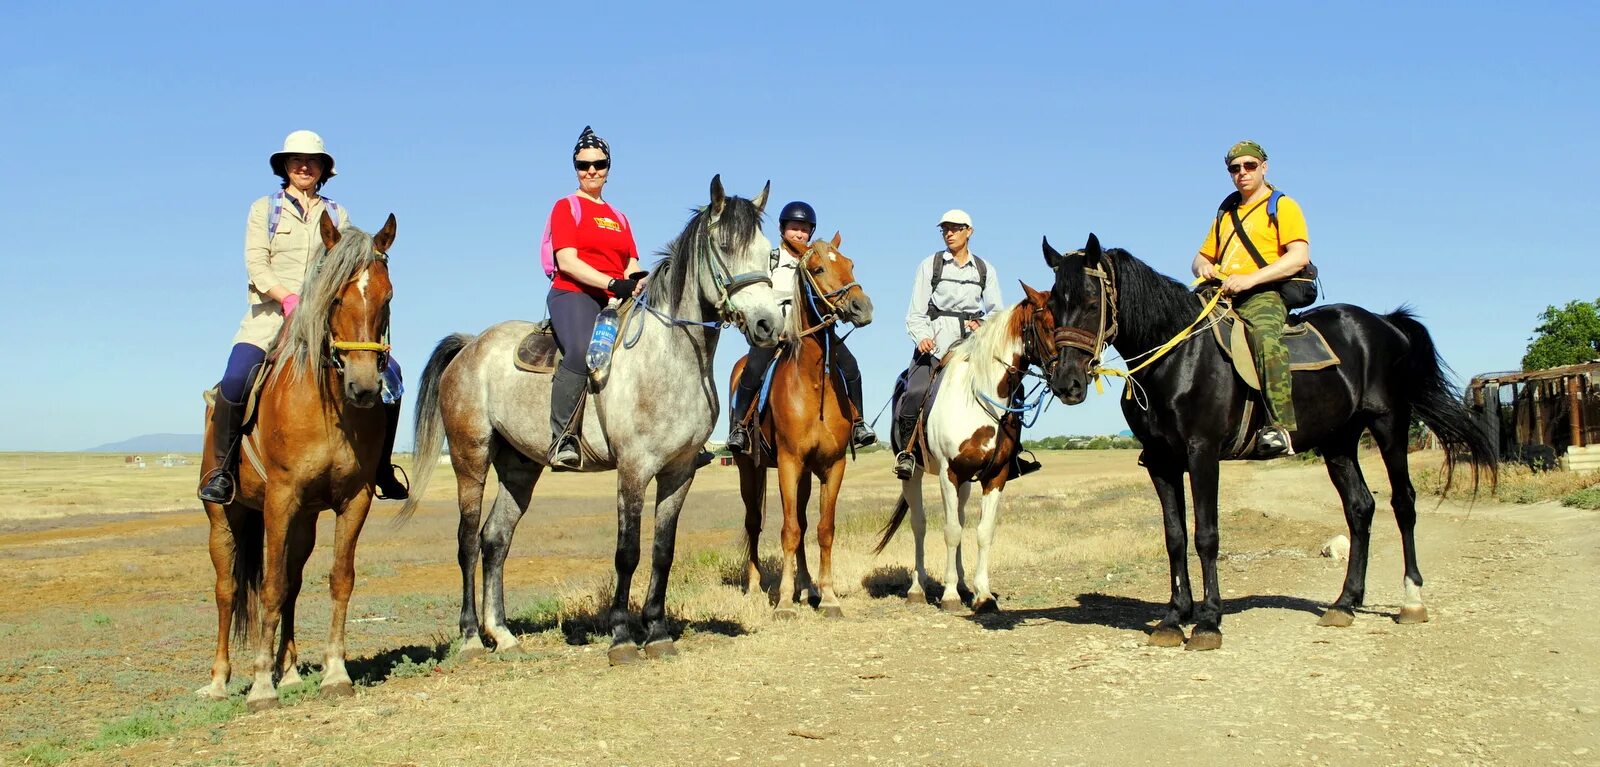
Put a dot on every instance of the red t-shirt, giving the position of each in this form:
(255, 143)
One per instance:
(602, 240)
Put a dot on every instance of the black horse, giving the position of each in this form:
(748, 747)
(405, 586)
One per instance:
(1191, 403)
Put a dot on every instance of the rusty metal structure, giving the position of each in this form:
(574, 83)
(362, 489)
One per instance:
(1557, 407)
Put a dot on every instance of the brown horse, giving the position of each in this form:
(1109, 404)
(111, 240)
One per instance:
(316, 443)
(807, 423)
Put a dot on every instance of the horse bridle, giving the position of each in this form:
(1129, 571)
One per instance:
(831, 316)
(1105, 332)
(727, 284)
(336, 347)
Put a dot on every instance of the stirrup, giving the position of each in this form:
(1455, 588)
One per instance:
(1022, 467)
(405, 485)
(212, 476)
(738, 438)
(1273, 442)
(564, 455)
(861, 434)
(905, 465)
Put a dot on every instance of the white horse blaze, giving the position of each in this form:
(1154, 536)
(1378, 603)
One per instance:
(361, 282)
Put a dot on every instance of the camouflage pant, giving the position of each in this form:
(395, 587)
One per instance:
(1264, 315)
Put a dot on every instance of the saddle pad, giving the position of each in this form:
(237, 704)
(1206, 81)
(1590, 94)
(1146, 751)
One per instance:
(538, 353)
(1308, 349)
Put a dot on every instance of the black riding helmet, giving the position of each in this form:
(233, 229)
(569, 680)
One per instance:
(798, 211)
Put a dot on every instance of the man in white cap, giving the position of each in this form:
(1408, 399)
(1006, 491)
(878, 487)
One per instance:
(953, 293)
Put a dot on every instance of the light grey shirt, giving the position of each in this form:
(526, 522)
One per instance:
(783, 269)
(957, 291)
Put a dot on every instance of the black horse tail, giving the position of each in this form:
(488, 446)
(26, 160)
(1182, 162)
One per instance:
(892, 525)
(430, 424)
(249, 542)
(1441, 407)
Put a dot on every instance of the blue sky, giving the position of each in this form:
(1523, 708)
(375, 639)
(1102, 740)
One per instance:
(1445, 154)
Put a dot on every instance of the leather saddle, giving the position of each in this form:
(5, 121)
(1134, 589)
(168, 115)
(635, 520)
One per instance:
(1308, 349)
(537, 352)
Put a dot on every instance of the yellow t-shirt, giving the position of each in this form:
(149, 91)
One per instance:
(1271, 241)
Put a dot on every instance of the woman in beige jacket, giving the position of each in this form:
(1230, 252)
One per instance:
(280, 237)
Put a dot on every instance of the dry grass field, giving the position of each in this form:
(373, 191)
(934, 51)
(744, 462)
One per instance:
(106, 618)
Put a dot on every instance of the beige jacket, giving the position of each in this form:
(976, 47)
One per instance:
(282, 261)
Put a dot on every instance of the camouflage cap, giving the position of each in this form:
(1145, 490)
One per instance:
(1246, 148)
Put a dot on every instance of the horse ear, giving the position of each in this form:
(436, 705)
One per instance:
(1091, 250)
(761, 199)
(718, 197)
(385, 237)
(1035, 297)
(837, 241)
(1052, 259)
(330, 231)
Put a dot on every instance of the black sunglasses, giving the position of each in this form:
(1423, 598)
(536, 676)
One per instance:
(1250, 166)
(587, 164)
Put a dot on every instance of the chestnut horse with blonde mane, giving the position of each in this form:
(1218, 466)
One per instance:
(971, 431)
(806, 425)
(318, 432)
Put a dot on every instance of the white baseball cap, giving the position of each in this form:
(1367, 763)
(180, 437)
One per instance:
(955, 216)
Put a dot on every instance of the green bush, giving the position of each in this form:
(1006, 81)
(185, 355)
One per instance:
(1587, 498)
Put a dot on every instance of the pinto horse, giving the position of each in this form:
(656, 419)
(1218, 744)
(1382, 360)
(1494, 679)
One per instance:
(970, 432)
(649, 420)
(807, 423)
(319, 432)
(1190, 401)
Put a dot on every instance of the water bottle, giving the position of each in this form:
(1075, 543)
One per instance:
(604, 338)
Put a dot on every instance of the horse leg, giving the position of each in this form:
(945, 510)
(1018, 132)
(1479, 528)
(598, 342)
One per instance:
(753, 489)
(1168, 482)
(803, 580)
(953, 497)
(517, 478)
(282, 505)
(831, 484)
(790, 477)
(630, 502)
(341, 581)
(911, 491)
(1203, 475)
(471, 463)
(672, 486)
(983, 600)
(224, 545)
(1390, 432)
(302, 539)
(1345, 471)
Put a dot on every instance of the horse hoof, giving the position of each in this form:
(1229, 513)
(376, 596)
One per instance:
(1204, 640)
(986, 607)
(1337, 618)
(662, 649)
(261, 704)
(338, 690)
(290, 678)
(951, 605)
(623, 654)
(785, 614)
(1412, 614)
(832, 611)
(916, 599)
(1166, 636)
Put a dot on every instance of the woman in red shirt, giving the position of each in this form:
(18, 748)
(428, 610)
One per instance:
(596, 260)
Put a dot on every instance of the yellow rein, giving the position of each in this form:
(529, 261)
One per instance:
(1161, 351)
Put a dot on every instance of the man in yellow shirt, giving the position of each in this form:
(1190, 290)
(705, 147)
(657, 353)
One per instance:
(1251, 265)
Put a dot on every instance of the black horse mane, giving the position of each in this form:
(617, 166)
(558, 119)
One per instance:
(674, 275)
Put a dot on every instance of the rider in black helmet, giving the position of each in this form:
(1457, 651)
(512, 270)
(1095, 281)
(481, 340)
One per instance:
(796, 224)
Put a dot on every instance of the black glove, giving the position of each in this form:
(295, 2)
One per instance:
(624, 288)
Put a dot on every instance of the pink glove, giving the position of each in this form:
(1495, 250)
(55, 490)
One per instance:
(289, 303)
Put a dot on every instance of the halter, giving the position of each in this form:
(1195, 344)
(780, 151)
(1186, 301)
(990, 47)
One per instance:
(1035, 353)
(337, 348)
(1105, 332)
(814, 293)
(727, 284)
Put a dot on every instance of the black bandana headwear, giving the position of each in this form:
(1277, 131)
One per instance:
(590, 141)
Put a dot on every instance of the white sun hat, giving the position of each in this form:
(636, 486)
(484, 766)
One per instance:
(302, 142)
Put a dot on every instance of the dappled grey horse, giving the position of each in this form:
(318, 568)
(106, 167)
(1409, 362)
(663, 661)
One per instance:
(648, 421)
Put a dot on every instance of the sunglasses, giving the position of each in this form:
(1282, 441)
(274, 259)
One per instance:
(595, 164)
(1248, 166)
(952, 227)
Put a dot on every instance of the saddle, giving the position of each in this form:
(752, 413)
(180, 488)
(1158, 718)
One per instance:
(1308, 350)
(537, 352)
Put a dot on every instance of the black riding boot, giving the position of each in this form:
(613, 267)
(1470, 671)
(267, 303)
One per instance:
(390, 488)
(743, 395)
(566, 391)
(227, 419)
(905, 464)
(860, 434)
(1021, 466)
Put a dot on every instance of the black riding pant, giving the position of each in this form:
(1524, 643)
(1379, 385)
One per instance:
(572, 315)
(919, 376)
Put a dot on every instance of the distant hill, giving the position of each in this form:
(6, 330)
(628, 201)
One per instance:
(153, 443)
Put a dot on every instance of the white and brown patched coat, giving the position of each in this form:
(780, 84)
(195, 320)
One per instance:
(278, 262)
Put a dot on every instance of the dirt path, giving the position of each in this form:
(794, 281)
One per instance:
(1506, 672)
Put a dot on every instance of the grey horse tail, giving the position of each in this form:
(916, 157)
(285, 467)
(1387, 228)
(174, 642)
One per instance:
(430, 425)
(892, 525)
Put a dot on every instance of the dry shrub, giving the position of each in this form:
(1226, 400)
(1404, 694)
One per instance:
(1518, 483)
